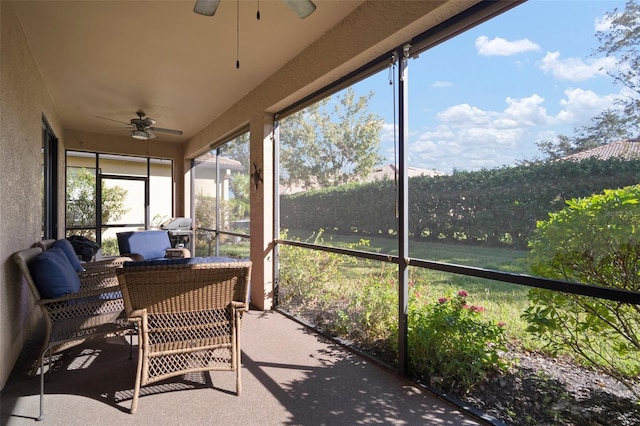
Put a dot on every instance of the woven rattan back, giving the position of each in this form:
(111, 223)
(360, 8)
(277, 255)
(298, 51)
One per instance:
(22, 259)
(180, 288)
(45, 244)
(188, 317)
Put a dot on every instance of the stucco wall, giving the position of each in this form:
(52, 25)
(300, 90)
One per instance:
(23, 101)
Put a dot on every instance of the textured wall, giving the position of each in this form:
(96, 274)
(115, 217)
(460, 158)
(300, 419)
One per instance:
(23, 101)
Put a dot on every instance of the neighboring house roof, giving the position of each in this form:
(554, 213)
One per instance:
(381, 173)
(225, 163)
(389, 171)
(626, 149)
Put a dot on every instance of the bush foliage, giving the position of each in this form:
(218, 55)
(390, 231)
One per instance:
(452, 344)
(593, 240)
(490, 207)
(449, 340)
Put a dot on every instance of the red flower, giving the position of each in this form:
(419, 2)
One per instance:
(442, 300)
(462, 293)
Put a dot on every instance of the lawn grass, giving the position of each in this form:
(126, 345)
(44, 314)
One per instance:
(503, 302)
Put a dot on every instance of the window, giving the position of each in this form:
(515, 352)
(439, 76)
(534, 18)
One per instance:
(221, 199)
(108, 193)
(49, 188)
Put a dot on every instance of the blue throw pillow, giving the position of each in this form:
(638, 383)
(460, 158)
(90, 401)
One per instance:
(148, 244)
(68, 250)
(53, 274)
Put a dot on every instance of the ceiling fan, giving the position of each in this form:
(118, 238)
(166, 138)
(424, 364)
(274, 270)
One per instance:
(142, 127)
(302, 8)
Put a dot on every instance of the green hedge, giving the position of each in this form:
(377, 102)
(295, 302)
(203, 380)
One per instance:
(490, 207)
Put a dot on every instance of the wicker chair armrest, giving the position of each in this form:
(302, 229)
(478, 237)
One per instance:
(87, 292)
(83, 304)
(133, 256)
(106, 264)
(239, 306)
(96, 274)
(136, 315)
(99, 283)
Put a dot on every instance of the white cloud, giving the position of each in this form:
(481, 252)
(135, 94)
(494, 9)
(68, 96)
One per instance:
(442, 84)
(463, 115)
(580, 105)
(470, 138)
(501, 47)
(526, 111)
(575, 69)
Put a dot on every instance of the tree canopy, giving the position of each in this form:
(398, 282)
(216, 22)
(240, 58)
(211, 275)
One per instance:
(81, 202)
(332, 142)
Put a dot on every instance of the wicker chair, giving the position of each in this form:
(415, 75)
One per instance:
(96, 310)
(188, 317)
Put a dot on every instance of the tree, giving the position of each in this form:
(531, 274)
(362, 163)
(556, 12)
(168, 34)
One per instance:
(622, 40)
(594, 240)
(81, 202)
(332, 142)
(619, 40)
(607, 127)
(238, 149)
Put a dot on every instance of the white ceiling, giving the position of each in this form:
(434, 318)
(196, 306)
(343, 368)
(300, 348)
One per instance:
(113, 58)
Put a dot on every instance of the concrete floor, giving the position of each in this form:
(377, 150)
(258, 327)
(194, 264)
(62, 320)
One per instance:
(290, 376)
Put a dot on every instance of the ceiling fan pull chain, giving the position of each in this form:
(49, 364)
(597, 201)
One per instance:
(238, 34)
(258, 13)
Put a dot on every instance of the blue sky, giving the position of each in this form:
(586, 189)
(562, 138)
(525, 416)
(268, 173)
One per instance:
(483, 98)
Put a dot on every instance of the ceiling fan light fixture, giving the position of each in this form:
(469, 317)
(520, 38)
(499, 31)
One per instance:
(302, 8)
(206, 7)
(139, 134)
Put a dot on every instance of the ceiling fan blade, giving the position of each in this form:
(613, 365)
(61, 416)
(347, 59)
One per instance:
(121, 128)
(160, 129)
(206, 7)
(302, 8)
(111, 119)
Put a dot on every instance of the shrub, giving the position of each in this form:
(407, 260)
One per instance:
(370, 316)
(450, 343)
(342, 297)
(305, 275)
(110, 247)
(594, 240)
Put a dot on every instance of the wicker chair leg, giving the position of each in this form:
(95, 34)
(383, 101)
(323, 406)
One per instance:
(237, 362)
(130, 346)
(42, 373)
(136, 389)
(38, 364)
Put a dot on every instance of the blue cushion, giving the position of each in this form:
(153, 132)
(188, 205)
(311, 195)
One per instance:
(68, 250)
(148, 244)
(184, 261)
(53, 274)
